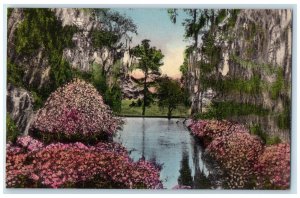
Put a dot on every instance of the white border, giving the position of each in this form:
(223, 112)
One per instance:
(159, 3)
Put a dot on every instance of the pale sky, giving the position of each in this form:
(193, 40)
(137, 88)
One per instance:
(155, 25)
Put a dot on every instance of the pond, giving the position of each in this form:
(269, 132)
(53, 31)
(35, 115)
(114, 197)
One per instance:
(169, 144)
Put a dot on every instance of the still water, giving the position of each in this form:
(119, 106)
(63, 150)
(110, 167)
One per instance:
(169, 144)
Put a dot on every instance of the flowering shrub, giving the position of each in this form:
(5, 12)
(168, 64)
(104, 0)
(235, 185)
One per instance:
(76, 109)
(273, 167)
(27, 142)
(208, 130)
(237, 153)
(75, 165)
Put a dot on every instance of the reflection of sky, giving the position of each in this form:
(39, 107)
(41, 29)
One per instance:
(155, 25)
(164, 141)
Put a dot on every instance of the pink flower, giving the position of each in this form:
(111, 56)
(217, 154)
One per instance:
(34, 177)
(76, 108)
(59, 164)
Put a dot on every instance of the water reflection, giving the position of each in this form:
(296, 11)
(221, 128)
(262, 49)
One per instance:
(170, 145)
(185, 178)
(199, 180)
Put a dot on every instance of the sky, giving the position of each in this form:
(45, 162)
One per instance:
(155, 25)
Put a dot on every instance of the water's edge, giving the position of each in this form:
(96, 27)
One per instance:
(170, 144)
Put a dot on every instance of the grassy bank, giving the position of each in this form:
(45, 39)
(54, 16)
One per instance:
(152, 111)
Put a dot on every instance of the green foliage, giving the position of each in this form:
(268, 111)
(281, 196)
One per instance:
(210, 51)
(221, 16)
(173, 13)
(257, 130)
(11, 129)
(14, 74)
(42, 31)
(102, 39)
(170, 94)
(9, 11)
(60, 72)
(98, 78)
(255, 84)
(223, 110)
(113, 97)
(273, 140)
(150, 57)
(267, 139)
(278, 85)
(38, 101)
(249, 64)
(150, 60)
(152, 111)
(84, 75)
(233, 17)
(284, 118)
(184, 68)
(252, 86)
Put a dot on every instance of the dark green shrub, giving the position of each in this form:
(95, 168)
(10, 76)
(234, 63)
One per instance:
(113, 97)
(139, 102)
(37, 100)
(11, 129)
(257, 130)
(273, 140)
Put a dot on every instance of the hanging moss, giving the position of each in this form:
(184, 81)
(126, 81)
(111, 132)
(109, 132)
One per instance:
(277, 87)
(224, 110)
(248, 64)
(221, 16)
(284, 118)
(14, 74)
(40, 30)
(233, 17)
(252, 86)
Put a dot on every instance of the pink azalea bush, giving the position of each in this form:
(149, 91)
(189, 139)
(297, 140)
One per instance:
(208, 130)
(273, 167)
(77, 165)
(16, 171)
(27, 142)
(246, 161)
(237, 153)
(76, 109)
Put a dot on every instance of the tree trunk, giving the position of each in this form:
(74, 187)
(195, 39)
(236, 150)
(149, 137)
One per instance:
(195, 32)
(169, 113)
(201, 103)
(145, 94)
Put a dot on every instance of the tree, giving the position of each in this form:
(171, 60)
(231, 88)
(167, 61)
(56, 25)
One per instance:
(111, 40)
(201, 24)
(149, 61)
(170, 94)
(114, 36)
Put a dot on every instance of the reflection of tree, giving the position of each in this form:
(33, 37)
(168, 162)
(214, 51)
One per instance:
(200, 180)
(185, 177)
(143, 141)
